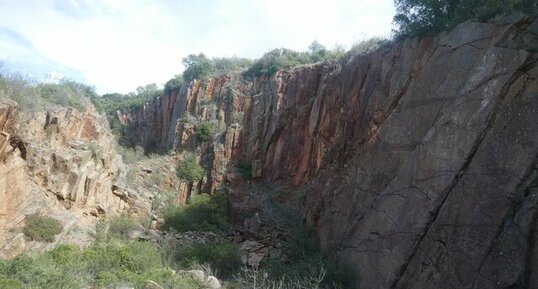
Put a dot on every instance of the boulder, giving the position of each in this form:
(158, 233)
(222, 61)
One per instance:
(253, 252)
(212, 282)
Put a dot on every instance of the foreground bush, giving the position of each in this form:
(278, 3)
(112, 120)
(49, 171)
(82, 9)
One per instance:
(222, 257)
(107, 265)
(202, 213)
(41, 228)
(254, 278)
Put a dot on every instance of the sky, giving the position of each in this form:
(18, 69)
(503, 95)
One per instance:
(117, 45)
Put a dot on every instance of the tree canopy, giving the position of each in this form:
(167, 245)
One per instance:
(282, 58)
(201, 67)
(418, 17)
(112, 102)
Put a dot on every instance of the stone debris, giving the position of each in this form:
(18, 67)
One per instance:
(210, 281)
(252, 253)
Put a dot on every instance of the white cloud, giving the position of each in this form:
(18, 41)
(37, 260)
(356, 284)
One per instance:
(119, 45)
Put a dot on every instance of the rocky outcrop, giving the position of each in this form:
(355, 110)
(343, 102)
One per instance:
(169, 122)
(417, 164)
(60, 163)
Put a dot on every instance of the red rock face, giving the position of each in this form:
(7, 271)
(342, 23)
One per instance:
(419, 160)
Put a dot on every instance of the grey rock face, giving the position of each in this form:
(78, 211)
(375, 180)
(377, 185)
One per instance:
(442, 195)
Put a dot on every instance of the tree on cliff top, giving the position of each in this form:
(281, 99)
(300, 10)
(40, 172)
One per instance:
(196, 67)
(173, 84)
(418, 17)
(201, 67)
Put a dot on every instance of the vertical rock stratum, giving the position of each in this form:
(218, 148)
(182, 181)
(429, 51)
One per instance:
(417, 164)
(60, 163)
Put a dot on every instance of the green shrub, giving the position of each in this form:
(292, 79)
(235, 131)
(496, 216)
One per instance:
(284, 58)
(154, 179)
(19, 89)
(130, 155)
(245, 169)
(275, 60)
(32, 95)
(196, 67)
(132, 263)
(201, 67)
(202, 213)
(63, 94)
(121, 225)
(41, 272)
(187, 118)
(173, 84)
(368, 45)
(189, 170)
(110, 104)
(318, 52)
(302, 248)
(204, 131)
(41, 228)
(223, 257)
(164, 199)
(255, 278)
(106, 265)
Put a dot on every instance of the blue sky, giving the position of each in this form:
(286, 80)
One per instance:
(118, 45)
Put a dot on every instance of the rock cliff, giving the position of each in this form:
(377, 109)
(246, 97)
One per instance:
(417, 164)
(59, 163)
